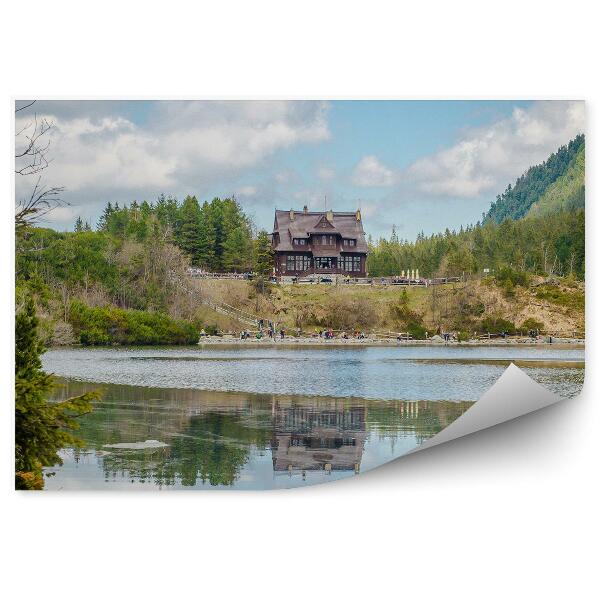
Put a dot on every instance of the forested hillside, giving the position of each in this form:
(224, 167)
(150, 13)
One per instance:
(216, 235)
(567, 192)
(517, 200)
(549, 241)
(126, 282)
(551, 244)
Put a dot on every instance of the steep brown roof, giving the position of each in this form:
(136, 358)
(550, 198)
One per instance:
(344, 223)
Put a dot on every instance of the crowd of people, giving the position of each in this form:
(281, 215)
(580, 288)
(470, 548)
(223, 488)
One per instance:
(271, 330)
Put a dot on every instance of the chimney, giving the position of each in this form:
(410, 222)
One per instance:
(291, 214)
(358, 215)
(305, 209)
(330, 216)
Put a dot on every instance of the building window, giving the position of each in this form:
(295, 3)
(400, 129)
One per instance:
(350, 243)
(300, 241)
(322, 262)
(324, 240)
(302, 263)
(298, 263)
(350, 264)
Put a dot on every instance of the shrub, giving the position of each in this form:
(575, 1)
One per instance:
(408, 319)
(508, 278)
(531, 323)
(497, 325)
(416, 331)
(211, 329)
(105, 325)
(568, 298)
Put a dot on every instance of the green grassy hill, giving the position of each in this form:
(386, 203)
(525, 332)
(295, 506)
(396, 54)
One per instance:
(567, 192)
(551, 177)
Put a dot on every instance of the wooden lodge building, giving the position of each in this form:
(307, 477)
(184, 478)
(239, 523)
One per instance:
(307, 243)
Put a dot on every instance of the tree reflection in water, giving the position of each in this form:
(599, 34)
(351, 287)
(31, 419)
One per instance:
(213, 436)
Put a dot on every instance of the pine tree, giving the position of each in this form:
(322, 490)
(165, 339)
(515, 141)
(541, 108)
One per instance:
(104, 217)
(206, 238)
(236, 250)
(41, 428)
(263, 255)
(78, 225)
(188, 229)
(216, 220)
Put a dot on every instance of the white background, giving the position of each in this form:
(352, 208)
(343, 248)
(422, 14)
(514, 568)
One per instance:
(507, 513)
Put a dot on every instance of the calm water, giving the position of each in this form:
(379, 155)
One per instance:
(260, 418)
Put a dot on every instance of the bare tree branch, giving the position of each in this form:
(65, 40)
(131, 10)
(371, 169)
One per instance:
(26, 106)
(30, 159)
(38, 205)
(34, 149)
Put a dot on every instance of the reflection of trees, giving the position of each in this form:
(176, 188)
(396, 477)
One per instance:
(215, 446)
(213, 435)
(422, 419)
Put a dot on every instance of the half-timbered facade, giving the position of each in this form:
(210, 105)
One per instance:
(308, 242)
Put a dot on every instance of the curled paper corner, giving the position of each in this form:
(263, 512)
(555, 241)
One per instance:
(513, 395)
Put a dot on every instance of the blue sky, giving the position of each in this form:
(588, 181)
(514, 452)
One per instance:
(415, 165)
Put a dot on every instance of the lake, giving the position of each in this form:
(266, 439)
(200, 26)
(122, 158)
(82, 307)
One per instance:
(262, 418)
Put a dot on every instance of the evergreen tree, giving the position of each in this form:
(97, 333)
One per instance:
(216, 223)
(236, 250)
(188, 228)
(206, 238)
(103, 221)
(78, 225)
(41, 428)
(263, 255)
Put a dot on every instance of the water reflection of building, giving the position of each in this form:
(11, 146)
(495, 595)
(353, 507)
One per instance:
(329, 436)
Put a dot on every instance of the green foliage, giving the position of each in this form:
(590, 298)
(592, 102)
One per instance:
(216, 236)
(553, 243)
(531, 323)
(236, 250)
(406, 319)
(41, 428)
(494, 324)
(549, 241)
(108, 324)
(263, 254)
(508, 275)
(211, 329)
(516, 201)
(574, 299)
(567, 192)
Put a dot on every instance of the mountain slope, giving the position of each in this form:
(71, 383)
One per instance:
(516, 201)
(567, 192)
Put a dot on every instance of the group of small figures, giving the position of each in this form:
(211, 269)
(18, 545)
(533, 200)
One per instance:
(329, 334)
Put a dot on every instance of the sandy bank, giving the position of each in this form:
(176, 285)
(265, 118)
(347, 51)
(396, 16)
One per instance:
(338, 342)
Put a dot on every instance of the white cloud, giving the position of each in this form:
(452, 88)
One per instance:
(487, 158)
(325, 174)
(369, 172)
(247, 190)
(283, 176)
(181, 144)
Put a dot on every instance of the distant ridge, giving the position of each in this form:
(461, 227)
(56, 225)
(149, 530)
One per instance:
(556, 184)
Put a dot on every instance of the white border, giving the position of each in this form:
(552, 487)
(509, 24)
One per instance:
(510, 512)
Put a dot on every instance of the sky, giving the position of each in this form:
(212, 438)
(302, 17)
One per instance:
(413, 165)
